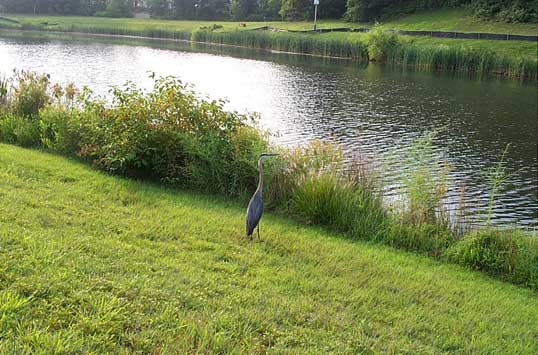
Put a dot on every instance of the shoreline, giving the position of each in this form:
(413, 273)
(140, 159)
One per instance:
(441, 55)
(164, 39)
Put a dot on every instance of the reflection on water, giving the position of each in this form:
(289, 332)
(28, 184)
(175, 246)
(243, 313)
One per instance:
(373, 110)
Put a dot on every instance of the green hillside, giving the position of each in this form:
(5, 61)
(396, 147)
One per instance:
(93, 263)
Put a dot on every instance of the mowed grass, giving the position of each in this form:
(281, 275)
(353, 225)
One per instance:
(460, 20)
(171, 25)
(94, 263)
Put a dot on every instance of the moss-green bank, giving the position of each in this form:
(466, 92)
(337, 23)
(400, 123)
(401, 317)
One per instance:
(94, 263)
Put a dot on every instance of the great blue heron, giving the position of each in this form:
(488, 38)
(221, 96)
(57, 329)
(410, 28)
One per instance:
(255, 206)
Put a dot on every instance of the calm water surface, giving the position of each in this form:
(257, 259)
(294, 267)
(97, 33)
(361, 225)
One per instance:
(373, 110)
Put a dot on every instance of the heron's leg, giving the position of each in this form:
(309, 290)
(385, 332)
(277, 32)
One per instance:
(258, 228)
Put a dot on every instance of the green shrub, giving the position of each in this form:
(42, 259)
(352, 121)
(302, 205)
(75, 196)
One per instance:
(381, 44)
(506, 253)
(506, 10)
(170, 135)
(19, 130)
(60, 129)
(30, 93)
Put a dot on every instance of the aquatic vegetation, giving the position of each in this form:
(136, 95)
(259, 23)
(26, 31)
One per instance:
(496, 176)
(287, 42)
(479, 62)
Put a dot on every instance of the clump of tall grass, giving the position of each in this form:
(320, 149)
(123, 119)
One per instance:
(321, 191)
(463, 60)
(420, 220)
(3, 90)
(496, 176)
(509, 254)
(286, 42)
(425, 183)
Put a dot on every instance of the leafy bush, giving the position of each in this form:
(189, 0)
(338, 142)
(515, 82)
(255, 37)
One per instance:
(380, 44)
(507, 253)
(167, 134)
(506, 10)
(30, 93)
(19, 130)
(59, 129)
(117, 8)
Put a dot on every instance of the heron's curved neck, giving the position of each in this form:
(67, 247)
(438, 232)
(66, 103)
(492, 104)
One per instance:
(260, 181)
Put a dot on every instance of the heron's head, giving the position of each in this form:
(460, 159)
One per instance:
(264, 156)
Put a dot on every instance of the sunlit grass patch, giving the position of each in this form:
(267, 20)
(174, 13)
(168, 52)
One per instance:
(124, 266)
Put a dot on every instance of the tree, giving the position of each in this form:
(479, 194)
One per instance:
(243, 9)
(331, 9)
(268, 9)
(296, 9)
(119, 8)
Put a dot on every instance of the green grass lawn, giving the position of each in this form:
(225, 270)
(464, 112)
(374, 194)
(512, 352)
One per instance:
(93, 263)
(440, 20)
(458, 20)
(142, 24)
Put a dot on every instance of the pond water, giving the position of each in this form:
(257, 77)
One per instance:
(370, 109)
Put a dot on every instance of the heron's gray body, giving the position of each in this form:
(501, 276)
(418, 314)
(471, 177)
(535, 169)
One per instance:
(254, 212)
(255, 206)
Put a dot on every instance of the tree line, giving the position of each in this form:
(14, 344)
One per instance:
(257, 10)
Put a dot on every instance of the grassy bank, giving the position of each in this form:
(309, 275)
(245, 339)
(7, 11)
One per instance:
(515, 60)
(96, 263)
(440, 20)
(171, 136)
(457, 20)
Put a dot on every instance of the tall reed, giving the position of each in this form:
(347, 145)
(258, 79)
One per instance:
(461, 60)
(287, 42)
